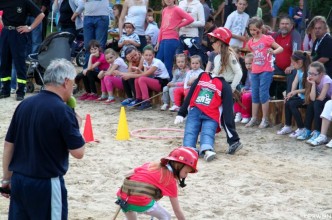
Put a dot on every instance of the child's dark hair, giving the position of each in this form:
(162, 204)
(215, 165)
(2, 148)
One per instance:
(305, 57)
(150, 10)
(257, 21)
(148, 47)
(129, 49)
(94, 43)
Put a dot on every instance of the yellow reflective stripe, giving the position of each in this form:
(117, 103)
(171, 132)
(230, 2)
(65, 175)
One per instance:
(6, 79)
(22, 81)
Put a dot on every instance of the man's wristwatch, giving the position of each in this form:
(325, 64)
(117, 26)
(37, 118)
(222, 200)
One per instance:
(29, 28)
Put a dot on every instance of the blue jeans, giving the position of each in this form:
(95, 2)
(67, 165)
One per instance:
(275, 7)
(260, 87)
(166, 53)
(198, 122)
(95, 27)
(34, 37)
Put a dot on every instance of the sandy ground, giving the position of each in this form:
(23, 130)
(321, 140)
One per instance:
(272, 177)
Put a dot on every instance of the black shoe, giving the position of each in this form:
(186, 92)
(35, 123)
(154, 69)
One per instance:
(2, 95)
(234, 147)
(19, 97)
(145, 105)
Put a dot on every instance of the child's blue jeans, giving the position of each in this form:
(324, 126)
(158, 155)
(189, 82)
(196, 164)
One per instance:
(260, 87)
(198, 122)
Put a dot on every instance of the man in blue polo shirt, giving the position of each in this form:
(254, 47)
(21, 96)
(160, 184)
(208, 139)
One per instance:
(42, 134)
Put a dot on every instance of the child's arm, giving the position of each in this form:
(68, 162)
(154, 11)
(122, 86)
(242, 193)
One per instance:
(176, 208)
(277, 48)
(89, 65)
(208, 66)
(323, 93)
(121, 42)
(191, 80)
(111, 69)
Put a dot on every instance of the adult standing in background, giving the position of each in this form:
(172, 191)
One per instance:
(13, 42)
(37, 147)
(95, 24)
(189, 34)
(251, 10)
(36, 35)
(71, 17)
(135, 11)
(321, 50)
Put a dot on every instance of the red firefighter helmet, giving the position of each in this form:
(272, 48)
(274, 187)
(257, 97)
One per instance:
(185, 155)
(223, 34)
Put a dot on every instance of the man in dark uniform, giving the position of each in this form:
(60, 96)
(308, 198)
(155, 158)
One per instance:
(13, 42)
(42, 134)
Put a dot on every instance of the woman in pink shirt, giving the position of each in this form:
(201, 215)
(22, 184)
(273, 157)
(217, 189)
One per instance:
(172, 19)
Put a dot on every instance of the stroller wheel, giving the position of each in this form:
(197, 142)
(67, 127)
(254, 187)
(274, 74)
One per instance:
(80, 58)
(30, 87)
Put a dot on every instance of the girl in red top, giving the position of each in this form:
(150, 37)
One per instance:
(146, 184)
(263, 47)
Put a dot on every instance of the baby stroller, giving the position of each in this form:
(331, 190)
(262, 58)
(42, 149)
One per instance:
(56, 45)
(78, 50)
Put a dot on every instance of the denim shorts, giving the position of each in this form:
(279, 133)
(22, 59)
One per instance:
(260, 87)
(275, 7)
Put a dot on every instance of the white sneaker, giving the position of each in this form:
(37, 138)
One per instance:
(329, 145)
(209, 155)
(238, 117)
(264, 123)
(252, 123)
(285, 130)
(163, 107)
(245, 120)
(320, 140)
(174, 108)
(296, 133)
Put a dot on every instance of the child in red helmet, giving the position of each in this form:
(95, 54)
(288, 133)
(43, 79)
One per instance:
(146, 184)
(210, 101)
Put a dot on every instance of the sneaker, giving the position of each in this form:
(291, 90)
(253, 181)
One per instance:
(329, 145)
(110, 100)
(127, 101)
(245, 120)
(305, 135)
(84, 96)
(238, 117)
(12, 91)
(252, 122)
(285, 130)
(320, 140)
(145, 105)
(234, 147)
(174, 108)
(101, 98)
(134, 103)
(296, 133)
(163, 107)
(209, 155)
(314, 135)
(264, 123)
(92, 97)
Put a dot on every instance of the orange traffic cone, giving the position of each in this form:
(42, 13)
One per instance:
(88, 133)
(123, 133)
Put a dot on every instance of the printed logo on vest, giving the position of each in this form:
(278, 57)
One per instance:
(204, 97)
